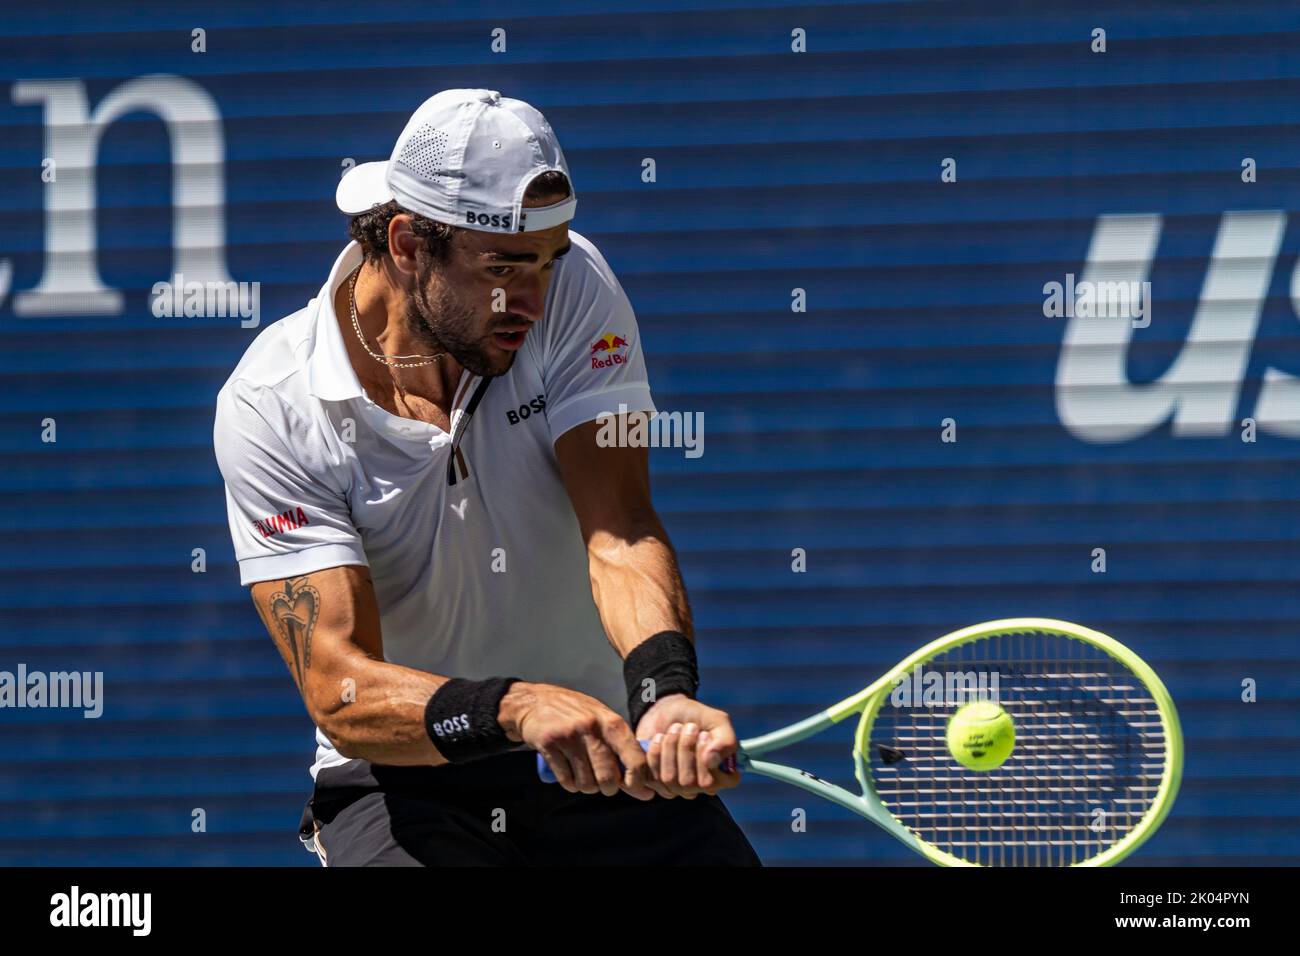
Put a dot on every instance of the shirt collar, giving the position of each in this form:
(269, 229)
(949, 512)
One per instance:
(330, 375)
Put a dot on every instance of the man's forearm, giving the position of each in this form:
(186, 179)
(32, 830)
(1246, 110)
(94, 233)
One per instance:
(379, 715)
(637, 585)
(374, 710)
(385, 724)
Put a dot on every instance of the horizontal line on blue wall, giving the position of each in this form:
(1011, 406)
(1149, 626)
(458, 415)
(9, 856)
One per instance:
(1015, 56)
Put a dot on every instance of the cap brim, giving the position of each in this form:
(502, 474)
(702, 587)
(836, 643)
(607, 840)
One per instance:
(363, 187)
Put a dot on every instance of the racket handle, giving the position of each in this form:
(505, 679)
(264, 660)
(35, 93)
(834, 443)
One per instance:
(546, 775)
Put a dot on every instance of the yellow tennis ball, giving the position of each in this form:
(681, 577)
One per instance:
(981, 735)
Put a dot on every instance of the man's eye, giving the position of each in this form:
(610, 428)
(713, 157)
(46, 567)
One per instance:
(551, 264)
(498, 270)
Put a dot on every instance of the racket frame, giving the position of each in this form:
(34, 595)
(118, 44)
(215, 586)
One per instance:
(868, 701)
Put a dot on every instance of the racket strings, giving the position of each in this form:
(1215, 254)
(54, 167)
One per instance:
(1088, 760)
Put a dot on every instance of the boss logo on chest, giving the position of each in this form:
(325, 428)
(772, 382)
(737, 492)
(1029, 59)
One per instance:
(516, 415)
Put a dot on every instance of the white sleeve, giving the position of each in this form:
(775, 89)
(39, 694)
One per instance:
(592, 361)
(285, 518)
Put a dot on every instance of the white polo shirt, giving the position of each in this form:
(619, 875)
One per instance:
(478, 563)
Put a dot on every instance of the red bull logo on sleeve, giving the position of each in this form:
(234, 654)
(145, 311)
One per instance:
(609, 350)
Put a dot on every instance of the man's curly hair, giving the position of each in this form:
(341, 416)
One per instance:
(370, 228)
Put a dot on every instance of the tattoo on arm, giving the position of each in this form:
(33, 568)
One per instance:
(292, 613)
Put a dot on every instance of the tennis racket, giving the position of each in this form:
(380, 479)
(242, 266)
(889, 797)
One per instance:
(1095, 767)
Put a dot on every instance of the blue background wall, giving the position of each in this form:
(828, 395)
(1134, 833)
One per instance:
(776, 170)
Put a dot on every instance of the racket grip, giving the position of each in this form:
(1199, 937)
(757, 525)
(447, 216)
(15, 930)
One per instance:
(546, 775)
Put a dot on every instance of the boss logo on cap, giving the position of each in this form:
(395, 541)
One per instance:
(483, 219)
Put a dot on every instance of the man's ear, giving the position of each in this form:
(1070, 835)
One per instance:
(403, 244)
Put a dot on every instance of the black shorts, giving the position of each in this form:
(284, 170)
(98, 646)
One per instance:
(496, 812)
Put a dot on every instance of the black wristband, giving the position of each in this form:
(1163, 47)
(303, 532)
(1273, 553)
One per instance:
(462, 719)
(668, 660)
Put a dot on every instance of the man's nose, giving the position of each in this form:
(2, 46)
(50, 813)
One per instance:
(528, 300)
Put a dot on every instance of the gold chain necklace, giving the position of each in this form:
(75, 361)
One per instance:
(356, 324)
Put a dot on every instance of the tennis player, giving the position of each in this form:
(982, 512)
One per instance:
(455, 569)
